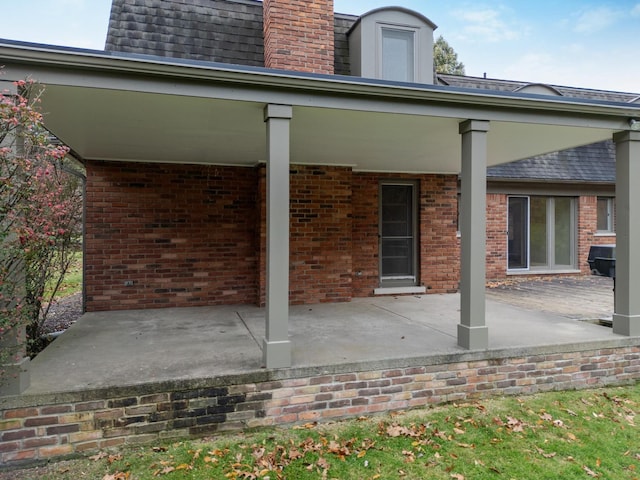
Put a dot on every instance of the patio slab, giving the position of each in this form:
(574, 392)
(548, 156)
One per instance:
(105, 349)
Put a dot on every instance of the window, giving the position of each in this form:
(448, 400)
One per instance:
(606, 215)
(542, 233)
(398, 54)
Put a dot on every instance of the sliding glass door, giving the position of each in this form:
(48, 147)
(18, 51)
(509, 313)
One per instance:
(542, 233)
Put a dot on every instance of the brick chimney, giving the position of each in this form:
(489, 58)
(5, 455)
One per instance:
(298, 35)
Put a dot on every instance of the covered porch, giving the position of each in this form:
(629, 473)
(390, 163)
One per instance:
(116, 108)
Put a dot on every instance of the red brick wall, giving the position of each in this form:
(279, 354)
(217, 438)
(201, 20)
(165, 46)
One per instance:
(196, 235)
(587, 228)
(439, 249)
(183, 234)
(496, 236)
(439, 252)
(299, 35)
(366, 255)
(320, 234)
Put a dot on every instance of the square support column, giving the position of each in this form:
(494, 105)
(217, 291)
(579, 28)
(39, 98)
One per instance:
(473, 333)
(276, 348)
(626, 318)
(16, 376)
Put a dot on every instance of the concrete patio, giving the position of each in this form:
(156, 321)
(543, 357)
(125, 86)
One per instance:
(126, 348)
(142, 376)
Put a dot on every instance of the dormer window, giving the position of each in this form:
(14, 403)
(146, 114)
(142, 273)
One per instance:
(398, 54)
(394, 44)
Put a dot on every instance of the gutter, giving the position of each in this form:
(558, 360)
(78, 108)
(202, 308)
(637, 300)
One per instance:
(260, 77)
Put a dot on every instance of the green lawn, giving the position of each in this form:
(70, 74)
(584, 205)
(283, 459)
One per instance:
(72, 282)
(561, 435)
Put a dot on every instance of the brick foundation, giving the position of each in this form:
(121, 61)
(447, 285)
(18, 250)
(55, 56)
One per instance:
(57, 425)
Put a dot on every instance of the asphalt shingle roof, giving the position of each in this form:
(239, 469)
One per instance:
(230, 31)
(512, 86)
(588, 163)
(226, 31)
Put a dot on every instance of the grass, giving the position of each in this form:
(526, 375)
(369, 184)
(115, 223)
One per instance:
(72, 282)
(568, 435)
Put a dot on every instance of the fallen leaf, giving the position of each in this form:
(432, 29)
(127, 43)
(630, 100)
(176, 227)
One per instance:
(98, 456)
(409, 456)
(457, 476)
(590, 472)
(546, 455)
(306, 426)
(117, 476)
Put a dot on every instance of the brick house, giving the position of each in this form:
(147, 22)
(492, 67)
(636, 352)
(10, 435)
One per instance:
(233, 159)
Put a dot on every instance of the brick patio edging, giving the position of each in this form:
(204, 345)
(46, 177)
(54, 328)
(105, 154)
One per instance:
(37, 428)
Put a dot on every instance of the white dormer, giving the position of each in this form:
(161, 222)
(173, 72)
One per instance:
(392, 43)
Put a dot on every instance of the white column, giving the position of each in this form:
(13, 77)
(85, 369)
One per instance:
(626, 319)
(472, 330)
(276, 348)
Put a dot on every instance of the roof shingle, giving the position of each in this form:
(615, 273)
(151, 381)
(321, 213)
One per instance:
(594, 163)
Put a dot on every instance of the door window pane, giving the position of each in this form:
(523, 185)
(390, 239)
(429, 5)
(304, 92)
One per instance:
(397, 215)
(398, 56)
(397, 257)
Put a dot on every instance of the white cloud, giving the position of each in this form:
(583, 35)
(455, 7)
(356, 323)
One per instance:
(597, 19)
(635, 11)
(569, 68)
(486, 25)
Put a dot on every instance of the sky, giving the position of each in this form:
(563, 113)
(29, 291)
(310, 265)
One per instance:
(581, 43)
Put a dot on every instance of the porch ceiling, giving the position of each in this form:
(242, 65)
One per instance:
(135, 109)
(104, 124)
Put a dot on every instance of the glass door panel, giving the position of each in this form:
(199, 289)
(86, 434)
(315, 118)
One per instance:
(539, 232)
(518, 241)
